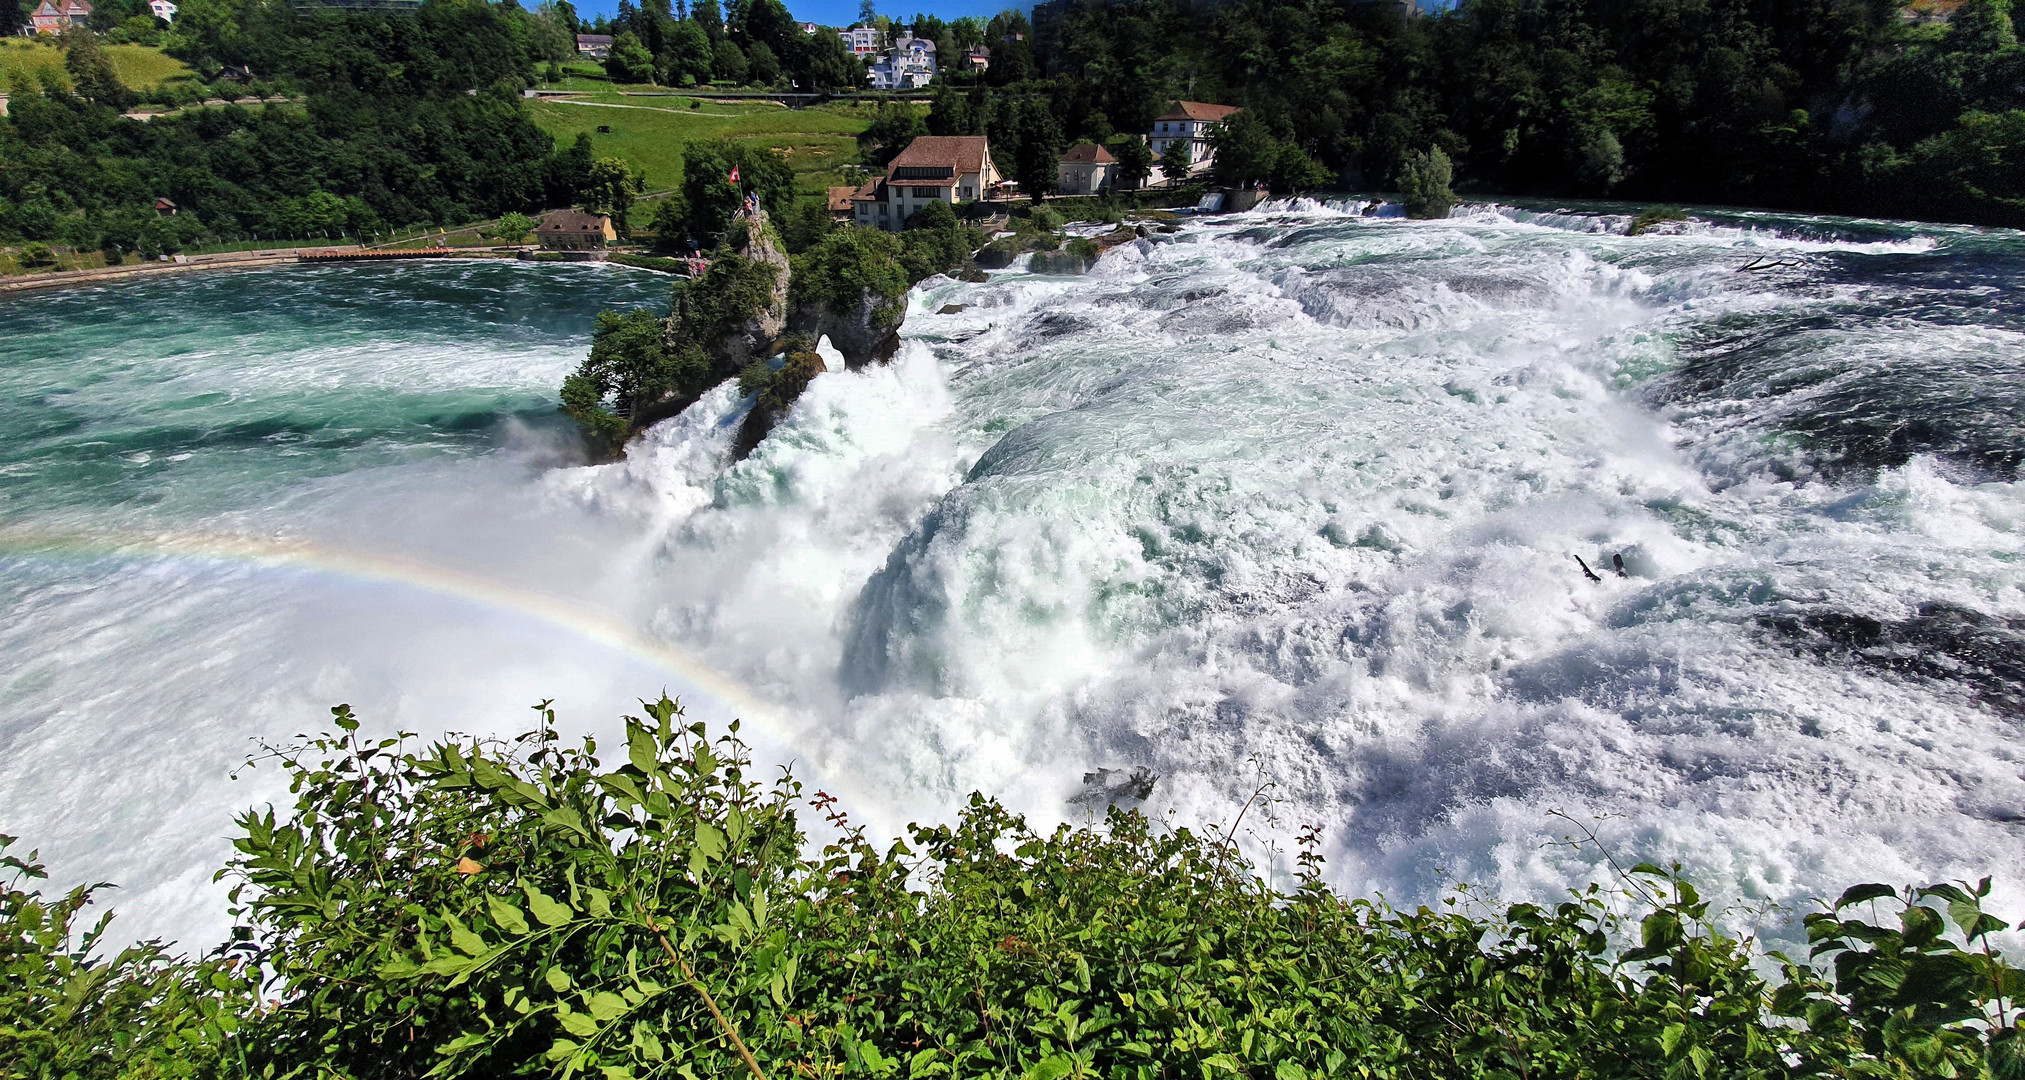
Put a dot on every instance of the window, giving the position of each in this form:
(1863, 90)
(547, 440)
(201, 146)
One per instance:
(922, 192)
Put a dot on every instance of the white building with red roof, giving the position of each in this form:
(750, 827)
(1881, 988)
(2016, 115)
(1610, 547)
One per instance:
(1087, 169)
(1184, 129)
(934, 168)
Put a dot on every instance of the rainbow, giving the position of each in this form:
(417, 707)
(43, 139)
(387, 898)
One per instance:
(578, 621)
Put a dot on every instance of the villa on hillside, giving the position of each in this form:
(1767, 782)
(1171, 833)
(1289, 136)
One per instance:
(934, 168)
(595, 46)
(864, 40)
(164, 10)
(574, 230)
(909, 66)
(52, 17)
(977, 59)
(1184, 129)
(1087, 169)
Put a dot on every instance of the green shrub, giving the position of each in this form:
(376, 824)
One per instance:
(838, 272)
(484, 908)
(1424, 184)
(35, 256)
(67, 1009)
(512, 228)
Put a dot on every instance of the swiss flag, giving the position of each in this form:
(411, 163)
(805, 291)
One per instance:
(734, 176)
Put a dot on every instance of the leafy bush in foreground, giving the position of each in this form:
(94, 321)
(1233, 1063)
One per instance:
(484, 910)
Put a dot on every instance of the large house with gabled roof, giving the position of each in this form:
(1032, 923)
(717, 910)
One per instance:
(1184, 129)
(934, 168)
(52, 16)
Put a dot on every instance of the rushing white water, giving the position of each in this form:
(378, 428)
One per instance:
(1291, 496)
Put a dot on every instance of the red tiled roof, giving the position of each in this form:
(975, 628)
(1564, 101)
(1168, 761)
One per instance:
(957, 153)
(1087, 154)
(556, 221)
(1196, 110)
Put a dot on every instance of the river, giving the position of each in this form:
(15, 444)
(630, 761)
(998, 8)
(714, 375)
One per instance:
(1292, 499)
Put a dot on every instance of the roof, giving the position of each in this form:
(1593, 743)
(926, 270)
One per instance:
(840, 198)
(556, 221)
(594, 39)
(1196, 110)
(1087, 153)
(869, 191)
(957, 153)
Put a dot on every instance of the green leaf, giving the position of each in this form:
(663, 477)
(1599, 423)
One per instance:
(709, 841)
(1857, 894)
(561, 1049)
(1669, 1039)
(558, 979)
(600, 903)
(640, 749)
(1660, 930)
(566, 818)
(548, 911)
(506, 916)
(617, 1072)
(578, 1024)
(1054, 1067)
(605, 1005)
(2006, 1054)
(463, 939)
(1290, 1070)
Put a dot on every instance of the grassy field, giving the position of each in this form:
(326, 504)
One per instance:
(140, 67)
(649, 133)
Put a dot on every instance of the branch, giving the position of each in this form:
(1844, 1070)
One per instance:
(708, 1001)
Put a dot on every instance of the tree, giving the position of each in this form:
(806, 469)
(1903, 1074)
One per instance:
(761, 66)
(1175, 164)
(710, 199)
(513, 227)
(1244, 150)
(728, 62)
(1424, 184)
(709, 18)
(550, 33)
(896, 124)
(91, 71)
(690, 57)
(868, 11)
(1038, 150)
(1135, 161)
(613, 187)
(629, 61)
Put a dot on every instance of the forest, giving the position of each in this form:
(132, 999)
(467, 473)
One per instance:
(397, 119)
(1845, 106)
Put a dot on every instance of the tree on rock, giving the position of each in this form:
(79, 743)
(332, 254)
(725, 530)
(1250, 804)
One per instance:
(1424, 184)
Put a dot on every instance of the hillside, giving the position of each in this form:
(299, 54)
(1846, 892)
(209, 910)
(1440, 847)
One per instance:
(141, 68)
(650, 132)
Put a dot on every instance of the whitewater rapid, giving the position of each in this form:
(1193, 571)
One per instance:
(1292, 499)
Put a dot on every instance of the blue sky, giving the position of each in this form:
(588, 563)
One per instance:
(844, 12)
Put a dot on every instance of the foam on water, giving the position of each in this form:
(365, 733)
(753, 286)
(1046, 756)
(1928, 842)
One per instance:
(1293, 495)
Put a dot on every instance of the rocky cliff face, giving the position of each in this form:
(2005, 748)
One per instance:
(869, 334)
(756, 311)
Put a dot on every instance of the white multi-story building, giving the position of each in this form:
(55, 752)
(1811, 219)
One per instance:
(1184, 130)
(164, 10)
(934, 168)
(864, 40)
(909, 66)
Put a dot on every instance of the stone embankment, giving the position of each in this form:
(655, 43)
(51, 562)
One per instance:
(228, 260)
